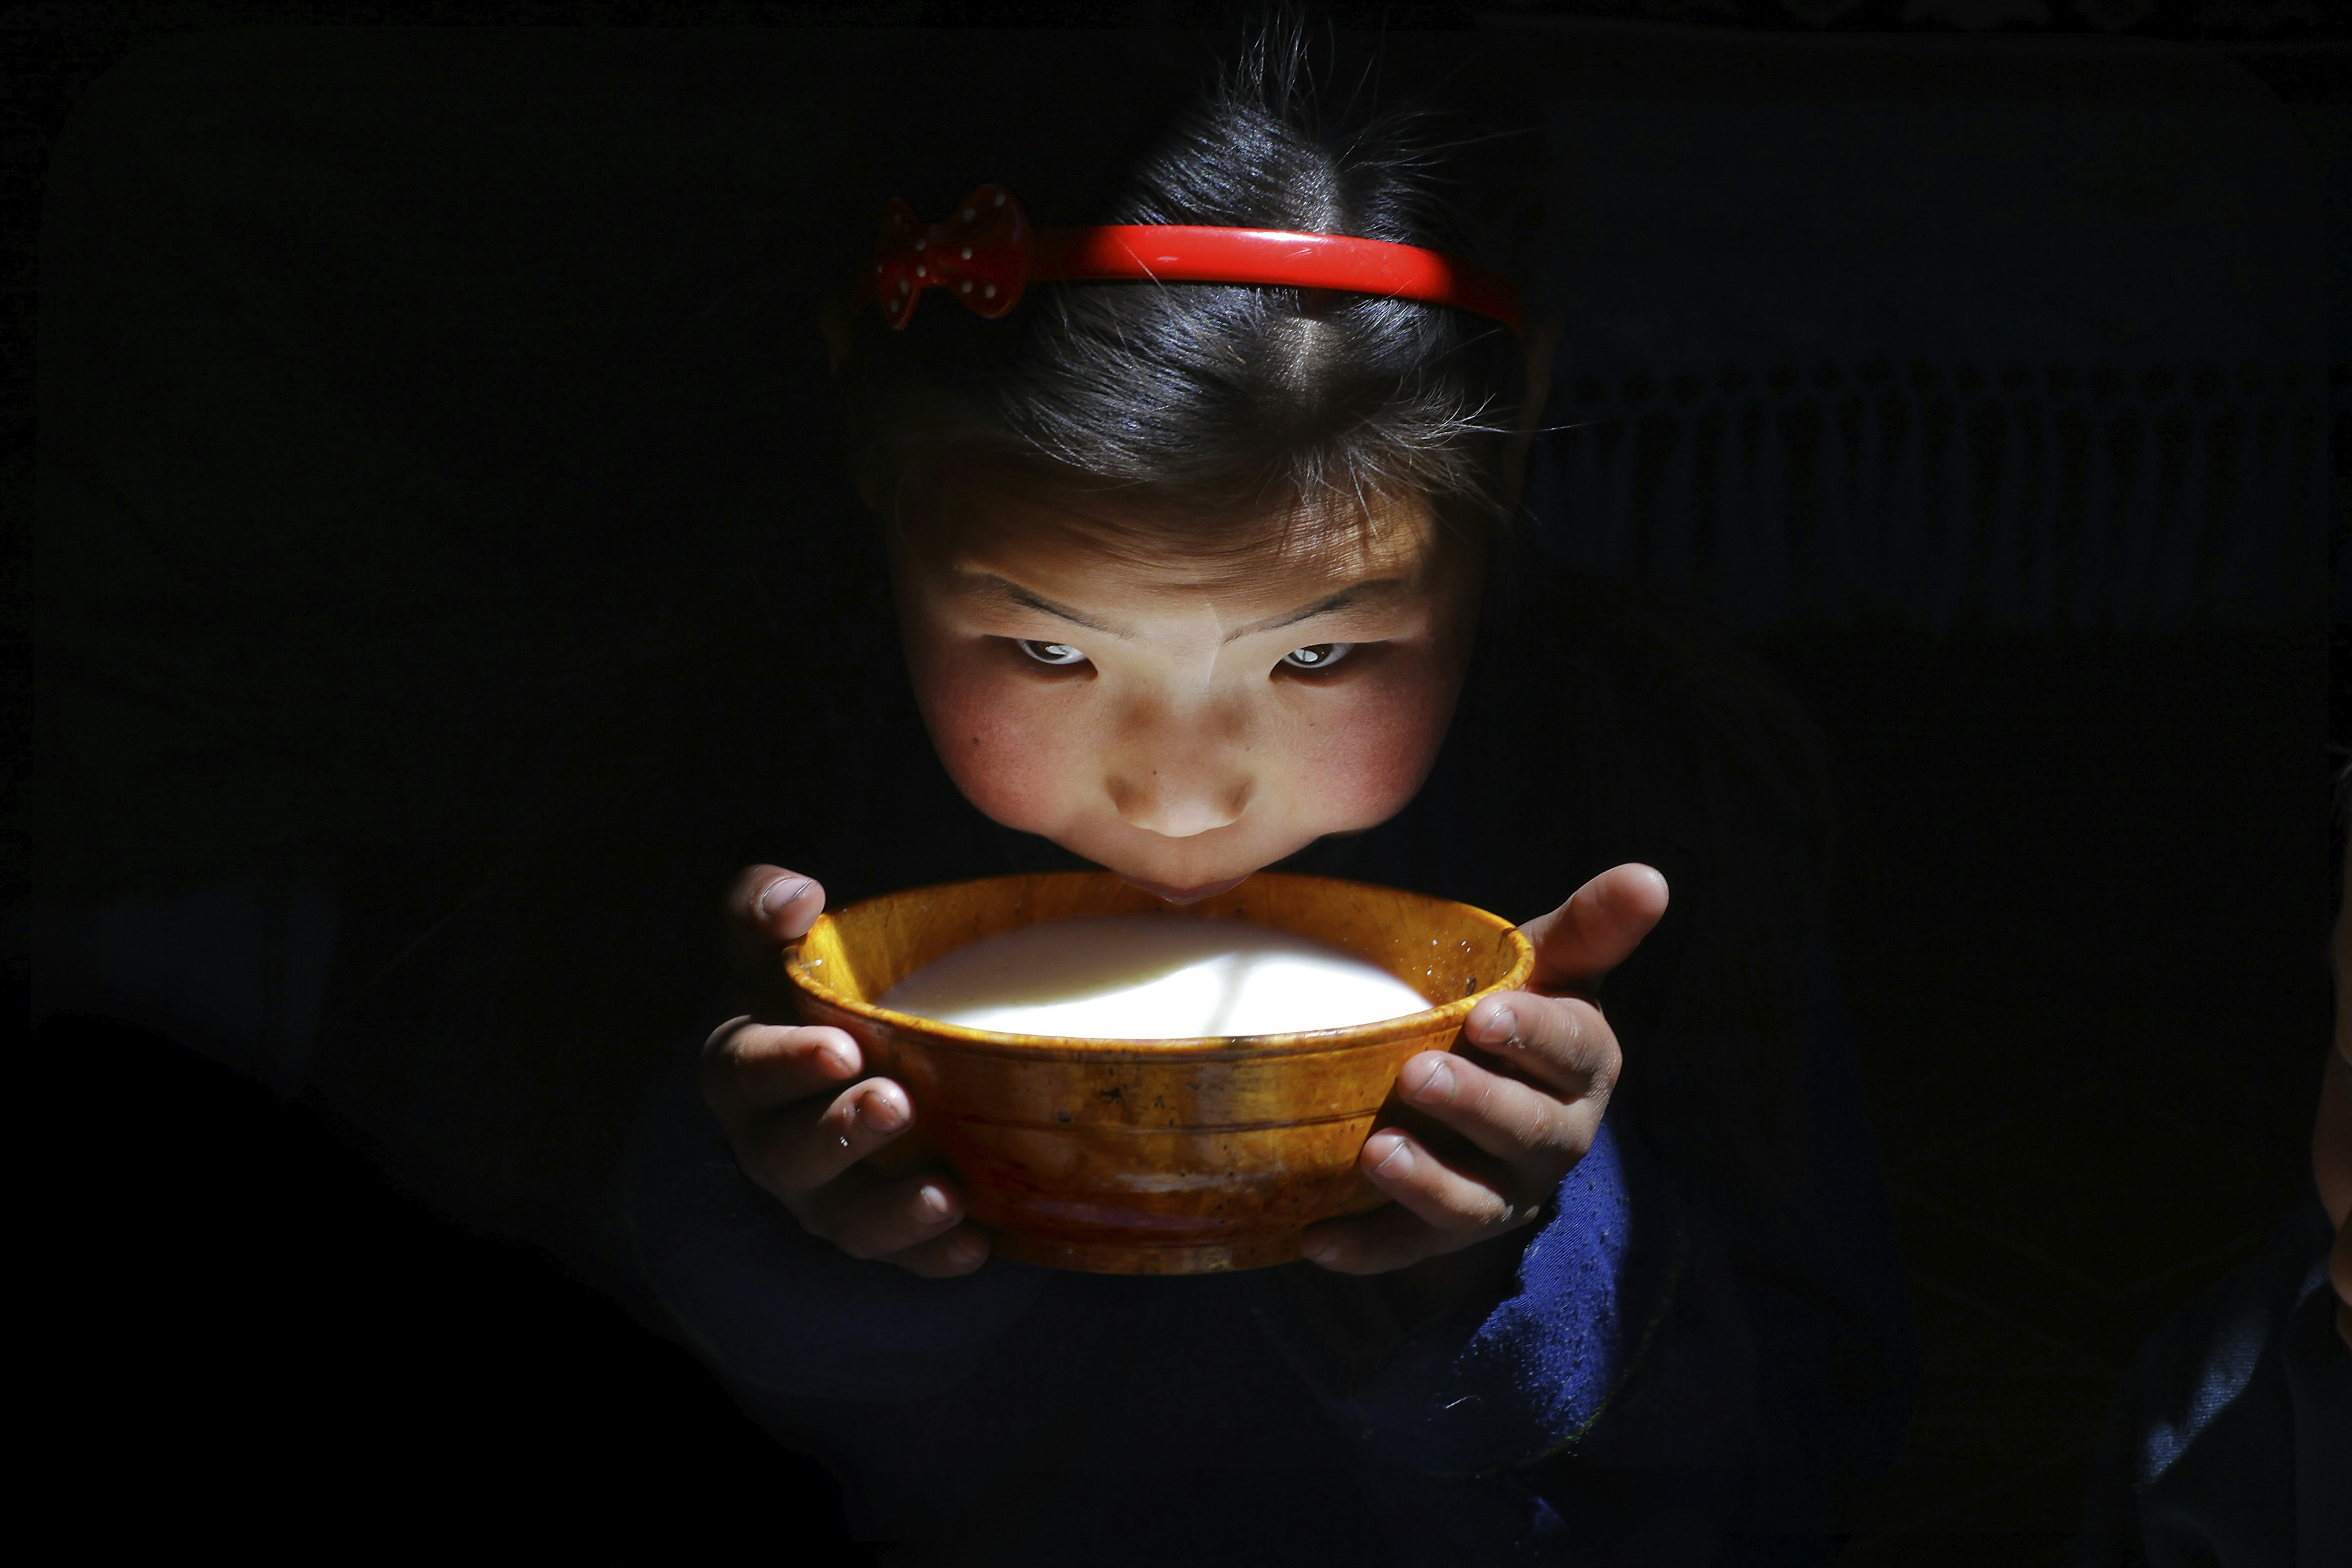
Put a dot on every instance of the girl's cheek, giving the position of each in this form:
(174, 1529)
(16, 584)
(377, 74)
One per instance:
(1360, 761)
(1005, 742)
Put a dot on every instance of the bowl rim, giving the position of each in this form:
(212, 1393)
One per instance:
(1445, 1014)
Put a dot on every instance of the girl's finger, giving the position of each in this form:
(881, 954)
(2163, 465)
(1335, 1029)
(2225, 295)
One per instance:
(959, 1251)
(769, 904)
(1468, 1203)
(875, 1219)
(749, 1068)
(805, 1146)
(1387, 1237)
(1516, 1122)
(1561, 1043)
(1598, 929)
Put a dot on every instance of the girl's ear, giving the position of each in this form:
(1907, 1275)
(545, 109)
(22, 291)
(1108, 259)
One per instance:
(838, 325)
(1542, 339)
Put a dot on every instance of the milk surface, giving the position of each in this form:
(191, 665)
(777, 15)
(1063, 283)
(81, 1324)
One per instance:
(1151, 977)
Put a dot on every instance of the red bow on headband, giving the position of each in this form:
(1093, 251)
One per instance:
(981, 254)
(987, 253)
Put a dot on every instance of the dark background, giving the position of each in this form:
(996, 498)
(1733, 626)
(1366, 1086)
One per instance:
(425, 423)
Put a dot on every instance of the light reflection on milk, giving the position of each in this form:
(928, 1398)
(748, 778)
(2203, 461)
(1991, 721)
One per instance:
(1151, 977)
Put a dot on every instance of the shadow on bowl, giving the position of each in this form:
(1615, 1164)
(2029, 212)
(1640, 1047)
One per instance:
(1148, 1157)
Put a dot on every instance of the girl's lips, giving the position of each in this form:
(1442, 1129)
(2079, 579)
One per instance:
(1185, 895)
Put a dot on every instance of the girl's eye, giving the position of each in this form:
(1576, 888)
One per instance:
(1321, 656)
(1054, 653)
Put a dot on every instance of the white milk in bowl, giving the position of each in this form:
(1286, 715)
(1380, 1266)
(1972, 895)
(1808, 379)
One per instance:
(1151, 977)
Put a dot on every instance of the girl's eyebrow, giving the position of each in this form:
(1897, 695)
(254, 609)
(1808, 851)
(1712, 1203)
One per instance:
(1377, 588)
(991, 585)
(1003, 588)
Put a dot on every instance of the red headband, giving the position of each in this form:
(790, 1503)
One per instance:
(988, 253)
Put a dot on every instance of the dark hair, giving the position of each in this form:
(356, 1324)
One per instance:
(1213, 400)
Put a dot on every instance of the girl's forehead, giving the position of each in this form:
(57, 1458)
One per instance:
(1115, 547)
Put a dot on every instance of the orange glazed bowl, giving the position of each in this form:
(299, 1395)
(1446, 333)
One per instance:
(1148, 1157)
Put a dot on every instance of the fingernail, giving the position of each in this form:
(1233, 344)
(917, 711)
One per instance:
(881, 1112)
(1437, 1088)
(779, 893)
(934, 1203)
(1398, 1161)
(1320, 1252)
(1504, 1022)
(963, 1250)
(839, 1061)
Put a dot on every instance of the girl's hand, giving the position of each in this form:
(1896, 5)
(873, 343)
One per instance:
(1525, 1110)
(797, 1132)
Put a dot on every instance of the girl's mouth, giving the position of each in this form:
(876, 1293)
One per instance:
(1185, 895)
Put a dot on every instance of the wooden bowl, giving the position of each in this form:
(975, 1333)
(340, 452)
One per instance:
(1148, 1157)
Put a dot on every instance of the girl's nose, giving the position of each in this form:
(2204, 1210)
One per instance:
(1178, 806)
(1178, 767)
(1178, 774)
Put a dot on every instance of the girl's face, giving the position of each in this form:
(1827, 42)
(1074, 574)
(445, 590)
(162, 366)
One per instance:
(1181, 719)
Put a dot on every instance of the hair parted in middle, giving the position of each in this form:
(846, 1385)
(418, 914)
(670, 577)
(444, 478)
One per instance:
(1215, 407)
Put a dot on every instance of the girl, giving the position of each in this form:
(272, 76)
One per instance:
(1191, 578)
